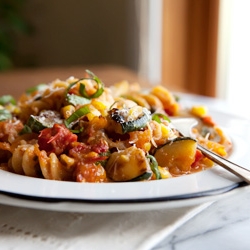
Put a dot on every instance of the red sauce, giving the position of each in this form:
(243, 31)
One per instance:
(56, 139)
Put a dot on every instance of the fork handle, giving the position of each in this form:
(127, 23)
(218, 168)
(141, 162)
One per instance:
(228, 165)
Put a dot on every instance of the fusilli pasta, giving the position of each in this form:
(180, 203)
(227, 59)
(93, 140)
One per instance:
(80, 130)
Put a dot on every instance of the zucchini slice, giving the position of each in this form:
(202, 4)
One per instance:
(127, 165)
(144, 177)
(46, 119)
(128, 119)
(177, 155)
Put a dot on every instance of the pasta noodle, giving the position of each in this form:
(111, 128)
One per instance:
(79, 130)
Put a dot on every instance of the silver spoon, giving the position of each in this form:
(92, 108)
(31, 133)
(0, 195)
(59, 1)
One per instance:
(184, 126)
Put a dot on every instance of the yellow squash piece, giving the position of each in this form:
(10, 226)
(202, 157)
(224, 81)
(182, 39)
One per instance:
(177, 155)
(127, 164)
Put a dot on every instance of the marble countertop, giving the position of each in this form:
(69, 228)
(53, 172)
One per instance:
(224, 224)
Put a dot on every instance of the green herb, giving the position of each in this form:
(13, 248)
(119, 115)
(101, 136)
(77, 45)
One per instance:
(177, 98)
(82, 90)
(76, 115)
(39, 87)
(106, 156)
(5, 115)
(100, 87)
(158, 117)
(154, 166)
(6, 99)
(145, 176)
(111, 107)
(77, 100)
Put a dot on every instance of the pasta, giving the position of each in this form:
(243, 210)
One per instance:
(79, 130)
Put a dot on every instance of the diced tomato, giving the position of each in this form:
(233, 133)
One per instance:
(198, 157)
(208, 120)
(56, 139)
(73, 91)
(99, 146)
(169, 112)
(78, 148)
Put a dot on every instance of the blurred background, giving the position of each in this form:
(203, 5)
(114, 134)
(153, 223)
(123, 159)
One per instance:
(62, 32)
(195, 46)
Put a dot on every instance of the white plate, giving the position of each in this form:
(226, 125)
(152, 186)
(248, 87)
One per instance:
(187, 190)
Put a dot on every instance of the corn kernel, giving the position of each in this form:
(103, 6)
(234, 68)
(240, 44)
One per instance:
(199, 111)
(207, 162)
(217, 148)
(165, 174)
(93, 112)
(98, 105)
(164, 131)
(67, 111)
(221, 151)
(92, 155)
(147, 146)
(12, 108)
(90, 116)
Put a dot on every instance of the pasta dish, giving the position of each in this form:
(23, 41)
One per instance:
(79, 130)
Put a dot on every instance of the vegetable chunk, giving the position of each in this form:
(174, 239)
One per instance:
(127, 164)
(177, 155)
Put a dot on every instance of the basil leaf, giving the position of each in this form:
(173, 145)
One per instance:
(82, 90)
(99, 91)
(76, 115)
(5, 115)
(39, 87)
(154, 166)
(77, 100)
(5, 99)
(158, 117)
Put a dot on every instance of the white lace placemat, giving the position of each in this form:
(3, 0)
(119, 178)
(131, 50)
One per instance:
(23, 228)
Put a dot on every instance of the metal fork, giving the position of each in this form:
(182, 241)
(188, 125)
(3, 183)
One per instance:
(184, 126)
